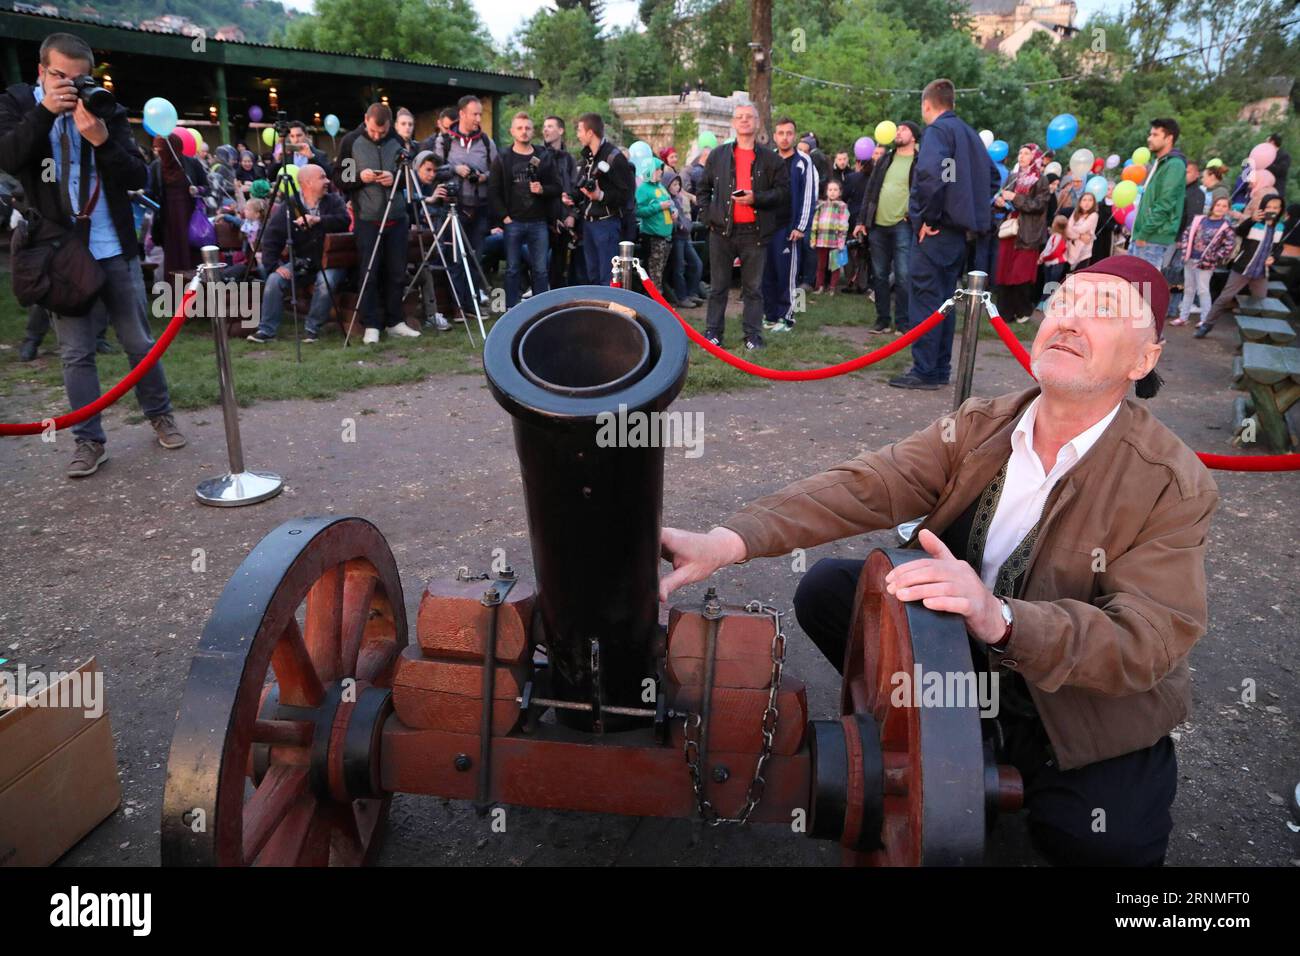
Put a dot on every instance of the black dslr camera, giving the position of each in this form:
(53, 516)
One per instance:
(445, 176)
(97, 99)
(588, 182)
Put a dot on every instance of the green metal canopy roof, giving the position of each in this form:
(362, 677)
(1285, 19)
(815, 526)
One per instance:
(106, 36)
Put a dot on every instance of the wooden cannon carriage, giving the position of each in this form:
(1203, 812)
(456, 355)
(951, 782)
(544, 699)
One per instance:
(307, 705)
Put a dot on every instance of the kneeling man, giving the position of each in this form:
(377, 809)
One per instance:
(1067, 526)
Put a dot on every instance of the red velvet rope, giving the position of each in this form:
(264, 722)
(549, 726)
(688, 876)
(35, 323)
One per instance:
(118, 390)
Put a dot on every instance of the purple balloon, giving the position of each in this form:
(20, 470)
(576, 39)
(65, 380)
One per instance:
(1130, 219)
(255, 114)
(864, 147)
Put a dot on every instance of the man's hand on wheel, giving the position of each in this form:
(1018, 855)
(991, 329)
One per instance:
(696, 556)
(944, 583)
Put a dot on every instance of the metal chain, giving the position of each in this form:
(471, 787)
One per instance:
(771, 715)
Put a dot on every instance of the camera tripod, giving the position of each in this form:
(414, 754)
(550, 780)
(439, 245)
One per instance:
(461, 251)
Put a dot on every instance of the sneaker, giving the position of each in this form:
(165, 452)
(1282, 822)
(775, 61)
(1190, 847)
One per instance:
(782, 327)
(310, 337)
(169, 436)
(1022, 320)
(482, 297)
(527, 294)
(878, 329)
(27, 351)
(402, 330)
(86, 459)
(259, 338)
(911, 381)
(1201, 331)
(770, 324)
(371, 337)
(752, 345)
(1178, 321)
(458, 316)
(440, 322)
(713, 340)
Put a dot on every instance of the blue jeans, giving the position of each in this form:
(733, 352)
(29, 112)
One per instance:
(936, 271)
(531, 239)
(317, 314)
(780, 276)
(1152, 252)
(891, 248)
(685, 267)
(123, 300)
(599, 246)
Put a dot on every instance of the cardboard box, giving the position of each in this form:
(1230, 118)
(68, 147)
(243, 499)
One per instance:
(58, 769)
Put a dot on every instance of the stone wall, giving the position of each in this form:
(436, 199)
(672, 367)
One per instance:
(652, 118)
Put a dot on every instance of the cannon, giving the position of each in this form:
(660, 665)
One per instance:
(307, 706)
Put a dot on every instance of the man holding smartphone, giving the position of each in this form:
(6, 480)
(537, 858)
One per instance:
(743, 186)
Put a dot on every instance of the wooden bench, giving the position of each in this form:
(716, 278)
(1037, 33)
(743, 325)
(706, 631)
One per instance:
(1271, 375)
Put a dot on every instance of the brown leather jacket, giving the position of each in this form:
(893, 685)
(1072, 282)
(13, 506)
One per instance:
(1104, 652)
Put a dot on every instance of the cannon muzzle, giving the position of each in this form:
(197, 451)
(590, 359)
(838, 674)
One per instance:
(566, 365)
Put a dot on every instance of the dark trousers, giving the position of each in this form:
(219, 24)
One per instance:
(566, 266)
(780, 276)
(723, 250)
(891, 250)
(475, 224)
(1133, 791)
(381, 306)
(936, 267)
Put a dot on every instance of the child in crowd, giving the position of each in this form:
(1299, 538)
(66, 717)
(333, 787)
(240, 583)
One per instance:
(1081, 231)
(655, 210)
(1207, 243)
(1053, 261)
(830, 233)
(686, 267)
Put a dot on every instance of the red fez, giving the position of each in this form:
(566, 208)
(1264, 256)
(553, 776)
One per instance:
(1144, 278)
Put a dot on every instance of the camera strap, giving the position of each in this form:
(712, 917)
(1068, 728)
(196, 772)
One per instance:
(86, 200)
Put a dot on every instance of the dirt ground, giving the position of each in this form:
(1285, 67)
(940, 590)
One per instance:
(103, 567)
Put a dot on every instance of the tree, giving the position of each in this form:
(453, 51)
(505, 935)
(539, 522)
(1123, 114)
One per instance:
(428, 31)
(562, 48)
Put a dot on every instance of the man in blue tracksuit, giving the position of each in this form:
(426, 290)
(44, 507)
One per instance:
(949, 207)
(781, 273)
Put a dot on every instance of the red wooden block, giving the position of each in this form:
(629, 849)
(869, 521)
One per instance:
(445, 694)
(453, 621)
(735, 721)
(743, 657)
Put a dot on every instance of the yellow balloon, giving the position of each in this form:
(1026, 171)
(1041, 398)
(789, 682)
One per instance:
(1141, 156)
(1124, 194)
(290, 170)
(885, 132)
(268, 136)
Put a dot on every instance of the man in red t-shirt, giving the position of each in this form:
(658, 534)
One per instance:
(740, 191)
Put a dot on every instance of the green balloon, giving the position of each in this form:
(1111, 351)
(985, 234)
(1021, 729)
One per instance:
(268, 136)
(707, 140)
(1124, 194)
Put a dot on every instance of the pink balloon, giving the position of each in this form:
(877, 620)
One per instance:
(189, 145)
(1262, 156)
(1262, 182)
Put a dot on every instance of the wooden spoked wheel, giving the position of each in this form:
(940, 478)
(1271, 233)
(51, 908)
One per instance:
(275, 756)
(921, 782)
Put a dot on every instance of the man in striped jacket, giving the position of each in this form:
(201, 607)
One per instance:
(781, 275)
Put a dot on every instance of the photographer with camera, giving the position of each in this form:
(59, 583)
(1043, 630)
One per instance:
(318, 213)
(433, 197)
(605, 186)
(298, 148)
(565, 227)
(469, 152)
(522, 187)
(70, 145)
(376, 158)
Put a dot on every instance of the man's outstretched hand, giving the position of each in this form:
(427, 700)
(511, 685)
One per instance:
(945, 583)
(696, 556)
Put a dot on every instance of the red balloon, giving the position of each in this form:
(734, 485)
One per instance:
(189, 146)
(1098, 164)
(1135, 174)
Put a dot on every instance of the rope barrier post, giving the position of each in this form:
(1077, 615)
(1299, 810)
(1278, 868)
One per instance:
(237, 487)
(626, 254)
(976, 283)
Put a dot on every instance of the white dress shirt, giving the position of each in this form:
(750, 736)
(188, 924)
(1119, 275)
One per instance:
(1027, 487)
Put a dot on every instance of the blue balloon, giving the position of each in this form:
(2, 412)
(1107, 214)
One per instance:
(1128, 163)
(1097, 186)
(159, 116)
(1002, 171)
(332, 124)
(1061, 130)
(998, 150)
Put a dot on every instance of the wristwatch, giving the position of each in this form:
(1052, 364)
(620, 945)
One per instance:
(1001, 646)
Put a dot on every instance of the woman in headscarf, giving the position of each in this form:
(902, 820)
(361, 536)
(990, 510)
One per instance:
(1026, 196)
(175, 182)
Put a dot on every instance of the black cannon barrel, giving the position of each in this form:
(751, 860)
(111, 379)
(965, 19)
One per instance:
(560, 363)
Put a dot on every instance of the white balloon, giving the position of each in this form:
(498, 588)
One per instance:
(1052, 167)
(1081, 162)
(987, 137)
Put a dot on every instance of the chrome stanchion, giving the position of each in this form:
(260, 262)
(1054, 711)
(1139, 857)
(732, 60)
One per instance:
(236, 487)
(626, 256)
(973, 297)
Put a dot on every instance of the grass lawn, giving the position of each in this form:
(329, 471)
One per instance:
(829, 331)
